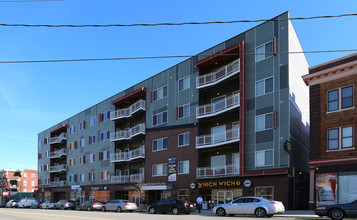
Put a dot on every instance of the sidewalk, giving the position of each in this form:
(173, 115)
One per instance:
(287, 213)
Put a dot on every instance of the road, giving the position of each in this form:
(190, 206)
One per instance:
(40, 214)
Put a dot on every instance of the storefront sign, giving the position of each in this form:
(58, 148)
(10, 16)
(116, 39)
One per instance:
(98, 188)
(192, 185)
(75, 187)
(247, 183)
(213, 184)
(5, 193)
(326, 188)
(172, 169)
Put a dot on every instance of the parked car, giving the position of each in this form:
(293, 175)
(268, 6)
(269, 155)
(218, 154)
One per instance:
(64, 204)
(27, 203)
(338, 211)
(250, 206)
(2, 205)
(90, 205)
(12, 204)
(119, 206)
(47, 205)
(174, 206)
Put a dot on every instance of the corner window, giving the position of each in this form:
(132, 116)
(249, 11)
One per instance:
(159, 118)
(264, 86)
(184, 111)
(264, 158)
(184, 167)
(340, 138)
(159, 144)
(159, 169)
(160, 93)
(184, 83)
(264, 122)
(339, 99)
(184, 139)
(264, 51)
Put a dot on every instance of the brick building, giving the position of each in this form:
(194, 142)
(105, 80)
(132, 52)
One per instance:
(333, 155)
(20, 180)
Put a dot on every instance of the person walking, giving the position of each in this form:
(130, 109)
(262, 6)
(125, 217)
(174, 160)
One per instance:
(199, 201)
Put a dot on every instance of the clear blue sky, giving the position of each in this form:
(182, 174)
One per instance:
(34, 97)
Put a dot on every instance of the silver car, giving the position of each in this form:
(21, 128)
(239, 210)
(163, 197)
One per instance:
(119, 206)
(47, 205)
(250, 206)
(12, 204)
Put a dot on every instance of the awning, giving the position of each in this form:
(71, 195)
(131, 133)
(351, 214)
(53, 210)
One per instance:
(132, 95)
(60, 129)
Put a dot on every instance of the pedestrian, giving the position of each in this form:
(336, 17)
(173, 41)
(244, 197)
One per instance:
(199, 201)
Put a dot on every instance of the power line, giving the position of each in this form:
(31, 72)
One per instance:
(31, 1)
(173, 24)
(164, 57)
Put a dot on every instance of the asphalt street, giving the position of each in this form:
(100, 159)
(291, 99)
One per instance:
(40, 214)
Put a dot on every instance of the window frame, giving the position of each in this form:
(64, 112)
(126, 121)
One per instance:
(264, 154)
(152, 170)
(264, 87)
(156, 91)
(162, 116)
(339, 99)
(157, 140)
(266, 56)
(183, 135)
(182, 162)
(183, 83)
(262, 196)
(183, 108)
(340, 139)
(257, 116)
(93, 121)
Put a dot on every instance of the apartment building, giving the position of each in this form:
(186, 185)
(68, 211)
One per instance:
(19, 180)
(333, 155)
(228, 122)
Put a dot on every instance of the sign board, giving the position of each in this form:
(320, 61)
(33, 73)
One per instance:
(172, 169)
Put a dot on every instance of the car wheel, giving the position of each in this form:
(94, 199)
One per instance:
(88, 209)
(62, 207)
(119, 209)
(231, 215)
(260, 212)
(221, 212)
(269, 216)
(175, 211)
(152, 210)
(103, 209)
(336, 214)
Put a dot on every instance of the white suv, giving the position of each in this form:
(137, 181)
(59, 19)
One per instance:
(26, 203)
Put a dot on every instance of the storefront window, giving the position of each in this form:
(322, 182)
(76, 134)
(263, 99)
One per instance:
(266, 192)
(99, 195)
(347, 187)
(183, 194)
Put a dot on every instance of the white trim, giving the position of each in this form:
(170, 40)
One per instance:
(265, 129)
(189, 111)
(265, 165)
(162, 87)
(178, 139)
(264, 86)
(255, 50)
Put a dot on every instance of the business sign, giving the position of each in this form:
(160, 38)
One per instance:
(6, 193)
(216, 184)
(326, 188)
(172, 169)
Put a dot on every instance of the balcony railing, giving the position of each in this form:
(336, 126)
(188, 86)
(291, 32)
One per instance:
(127, 112)
(128, 133)
(120, 179)
(219, 75)
(213, 140)
(215, 172)
(128, 156)
(58, 139)
(217, 108)
(58, 168)
(60, 153)
(137, 178)
(58, 184)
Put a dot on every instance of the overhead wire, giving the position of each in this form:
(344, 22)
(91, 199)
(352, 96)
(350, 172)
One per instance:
(173, 24)
(167, 57)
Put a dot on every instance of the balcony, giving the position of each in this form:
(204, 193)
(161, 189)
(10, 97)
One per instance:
(219, 75)
(120, 179)
(209, 110)
(128, 112)
(59, 139)
(128, 156)
(56, 154)
(59, 168)
(13, 187)
(128, 133)
(58, 184)
(213, 140)
(139, 177)
(216, 172)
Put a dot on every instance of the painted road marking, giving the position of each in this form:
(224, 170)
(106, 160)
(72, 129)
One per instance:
(53, 215)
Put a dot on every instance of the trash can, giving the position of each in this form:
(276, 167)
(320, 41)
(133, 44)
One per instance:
(204, 205)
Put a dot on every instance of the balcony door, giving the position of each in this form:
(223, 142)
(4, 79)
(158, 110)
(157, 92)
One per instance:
(235, 163)
(218, 164)
(218, 134)
(218, 104)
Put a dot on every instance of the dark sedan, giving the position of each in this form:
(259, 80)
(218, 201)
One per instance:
(338, 211)
(173, 206)
(90, 205)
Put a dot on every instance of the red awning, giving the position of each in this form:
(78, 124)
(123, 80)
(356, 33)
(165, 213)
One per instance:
(225, 55)
(60, 129)
(130, 96)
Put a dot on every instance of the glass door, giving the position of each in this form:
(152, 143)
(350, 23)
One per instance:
(218, 104)
(235, 163)
(224, 196)
(218, 134)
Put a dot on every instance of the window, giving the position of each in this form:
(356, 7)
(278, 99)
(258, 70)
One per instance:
(183, 194)
(32, 183)
(184, 111)
(25, 174)
(264, 158)
(340, 138)
(264, 86)
(159, 144)
(72, 129)
(184, 167)
(264, 51)
(104, 135)
(33, 175)
(92, 121)
(81, 142)
(81, 177)
(91, 139)
(47, 180)
(159, 118)
(266, 192)
(91, 176)
(82, 160)
(106, 155)
(160, 93)
(82, 125)
(184, 83)
(92, 158)
(184, 139)
(159, 169)
(73, 145)
(264, 122)
(72, 162)
(344, 94)
(25, 183)
(104, 175)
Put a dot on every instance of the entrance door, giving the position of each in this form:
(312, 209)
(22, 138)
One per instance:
(136, 199)
(235, 163)
(224, 196)
(165, 195)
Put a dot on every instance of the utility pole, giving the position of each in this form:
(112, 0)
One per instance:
(2, 187)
